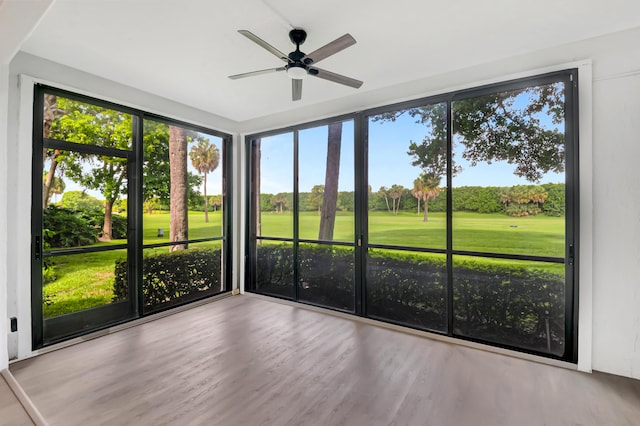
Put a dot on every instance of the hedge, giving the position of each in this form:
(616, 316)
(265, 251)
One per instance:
(74, 228)
(172, 278)
(501, 303)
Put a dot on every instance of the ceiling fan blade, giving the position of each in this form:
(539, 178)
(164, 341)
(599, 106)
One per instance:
(296, 89)
(329, 49)
(252, 73)
(336, 78)
(254, 38)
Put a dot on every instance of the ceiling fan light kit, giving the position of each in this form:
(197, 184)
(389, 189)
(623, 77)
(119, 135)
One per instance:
(299, 64)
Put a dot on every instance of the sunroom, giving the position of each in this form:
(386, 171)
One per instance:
(451, 179)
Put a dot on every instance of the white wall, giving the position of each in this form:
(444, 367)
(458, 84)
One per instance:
(609, 326)
(26, 69)
(4, 101)
(17, 20)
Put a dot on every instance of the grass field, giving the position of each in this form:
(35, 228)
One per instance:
(84, 281)
(495, 233)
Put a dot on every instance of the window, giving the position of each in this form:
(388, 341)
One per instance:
(464, 217)
(130, 214)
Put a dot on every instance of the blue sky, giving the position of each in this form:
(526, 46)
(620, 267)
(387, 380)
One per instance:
(389, 162)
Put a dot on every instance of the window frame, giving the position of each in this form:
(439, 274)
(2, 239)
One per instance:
(132, 308)
(572, 221)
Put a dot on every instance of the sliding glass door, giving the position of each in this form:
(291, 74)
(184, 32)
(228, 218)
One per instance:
(129, 214)
(464, 220)
(83, 157)
(303, 227)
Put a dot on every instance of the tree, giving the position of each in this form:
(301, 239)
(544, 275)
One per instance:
(384, 192)
(331, 178)
(80, 200)
(279, 201)
(215, 201)
(90, 124)
(523, 200)
(51, 113)
(503, 126)
(56, 186)
(430, 190)
(179, 219)
(156, 168)
(257, 197)
(417, 191)
(395, 193)
(205, 158)
(314, 199)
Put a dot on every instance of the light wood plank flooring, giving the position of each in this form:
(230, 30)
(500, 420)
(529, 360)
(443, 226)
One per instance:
(244, 360)
(11, 410)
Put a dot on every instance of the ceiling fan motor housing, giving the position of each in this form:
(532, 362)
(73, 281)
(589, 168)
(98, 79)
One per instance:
(297, 36)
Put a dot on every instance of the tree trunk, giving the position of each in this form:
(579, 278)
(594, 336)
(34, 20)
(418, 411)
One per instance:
(330, 196)
(179, 220)
(51, 112)
(107, 228)
(48, 181)
(255, 177)
(426, 210)
(418, 205)
(387, 201)
(206, 201)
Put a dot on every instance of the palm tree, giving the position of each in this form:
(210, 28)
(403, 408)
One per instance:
(215, 201)
(205, 158)
(179, 219)
(395, 193)
(279, 201)
(384, 192)
(330, 196)
(430, 190)
(418, 191)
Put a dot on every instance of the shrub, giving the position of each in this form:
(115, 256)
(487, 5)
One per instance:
(554, 205)
(72, 228)
(503, 303)
(173, 278)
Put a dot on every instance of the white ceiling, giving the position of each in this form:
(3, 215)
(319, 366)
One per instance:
(185, 49)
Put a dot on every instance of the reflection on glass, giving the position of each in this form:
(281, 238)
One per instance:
(407, 287)
(326, 189)
(84, 200)
(173, 278)
(326, 276)
(407, 174)
(182, 184)
(274, 269)
(73, 121)
(272, 185)
(508, 192)
(516, 303)
(77, 282)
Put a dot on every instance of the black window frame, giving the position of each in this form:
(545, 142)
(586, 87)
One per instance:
(572, 223)
(132, 308)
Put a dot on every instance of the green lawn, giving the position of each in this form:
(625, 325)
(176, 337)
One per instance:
(533, 235)
(84, 281)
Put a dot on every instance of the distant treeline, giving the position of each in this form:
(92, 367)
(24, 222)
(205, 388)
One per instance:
(518, 200)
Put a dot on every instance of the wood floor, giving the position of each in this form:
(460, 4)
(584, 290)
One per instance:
(11, 410)
(244, 360)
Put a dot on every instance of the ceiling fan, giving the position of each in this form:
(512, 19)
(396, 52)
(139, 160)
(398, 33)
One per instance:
(299, 64)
